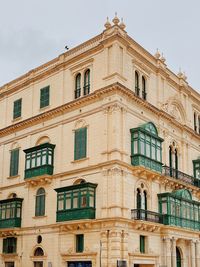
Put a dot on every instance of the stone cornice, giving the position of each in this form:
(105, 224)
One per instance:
(95, 96)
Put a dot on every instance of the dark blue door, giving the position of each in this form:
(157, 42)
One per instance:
(79, 264)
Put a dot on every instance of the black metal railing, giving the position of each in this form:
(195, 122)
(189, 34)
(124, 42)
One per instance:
(137, 91)
(77, 93)
(146, 215)
(144, 95)
(167, 171)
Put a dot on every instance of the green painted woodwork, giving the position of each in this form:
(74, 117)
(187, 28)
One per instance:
(9, 245)
(146, 147)
(17, 108)
(77, 92)
(39, 160)
(10, 212)
(40, 202)
(142, 244)
(79, 243)
(76, 202)
(14, 162)
(80, 143)
(196, 168)
(44, 96)
(178, 208)
(86, 88)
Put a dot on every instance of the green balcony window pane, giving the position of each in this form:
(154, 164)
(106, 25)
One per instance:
(39, 160)
(14, 162)
(80, 143)
(17, 108)
(44, 97)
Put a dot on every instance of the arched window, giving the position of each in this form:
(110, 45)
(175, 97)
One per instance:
(40, 202)
(77, 86)
(87, 82)
(195, 122)
(138, 199)
(137, 89)
(145, 200)
(39, 252)
(144, 93)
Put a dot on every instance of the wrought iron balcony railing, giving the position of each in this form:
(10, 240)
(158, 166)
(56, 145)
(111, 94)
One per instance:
(167, 171)
(146, 215)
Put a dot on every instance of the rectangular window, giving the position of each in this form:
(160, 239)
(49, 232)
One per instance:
(79, 243)
(196, 168)
(14, 162)
(80, 143)
(44, 97)
(9, 264)
(17, 108)
(142, 244)
(9, 245)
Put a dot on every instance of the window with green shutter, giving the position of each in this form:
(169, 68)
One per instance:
(142, 244)
(44, 97)
(196, 168)
(9, 245)
(17, 108)
(80, 143)
(79, 243)
(40, 202)
(14, 162)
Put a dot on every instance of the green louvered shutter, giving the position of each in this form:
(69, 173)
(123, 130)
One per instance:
(44, 97)
(80, 144)
(17, 108)
(14, 162)
(142, 244)
(79, 243)
(4, 245)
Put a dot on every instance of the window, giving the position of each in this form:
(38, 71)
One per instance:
(146, 147)
(40, 202)
(39, 160)
(76, 202)
(87, 82)
(173, 160)
(9, 245)
(44, 97)
(39, 252)
(77, 92)
(79, 243)
(196, 168)
(10, 212)
(14, 162)
(137, 89)
(195, 122)
(38, 263)
(144, 93)
(142, 244)
(80, 143)
(9, 264)
(17, 108)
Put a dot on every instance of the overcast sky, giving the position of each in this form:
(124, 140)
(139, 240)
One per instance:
(33, 32)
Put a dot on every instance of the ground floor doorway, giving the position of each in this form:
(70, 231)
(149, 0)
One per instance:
(79, 264)
(38, 263)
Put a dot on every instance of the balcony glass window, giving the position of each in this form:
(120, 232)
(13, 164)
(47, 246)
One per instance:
(76, 202)
(196, 168)
(39, 160)
(146, 148)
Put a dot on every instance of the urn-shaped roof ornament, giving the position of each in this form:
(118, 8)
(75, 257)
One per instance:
(107, 24)
(157, 54)
(116, 19)
(122, 25)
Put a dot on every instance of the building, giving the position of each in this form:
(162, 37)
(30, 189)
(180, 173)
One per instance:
(100, 160)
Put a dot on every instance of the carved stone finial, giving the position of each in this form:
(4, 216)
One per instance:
(180, 74)
(184, 76)
(163, 59)
(116, 19)
(157, 54)
(122, 25)
(107, 24)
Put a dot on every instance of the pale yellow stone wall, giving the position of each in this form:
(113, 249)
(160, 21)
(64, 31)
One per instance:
(109, 116)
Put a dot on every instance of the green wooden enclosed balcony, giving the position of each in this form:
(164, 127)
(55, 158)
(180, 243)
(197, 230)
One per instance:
(39, 160)
(146, 147)
(10, 212)
(76, 202)
(178, 209)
